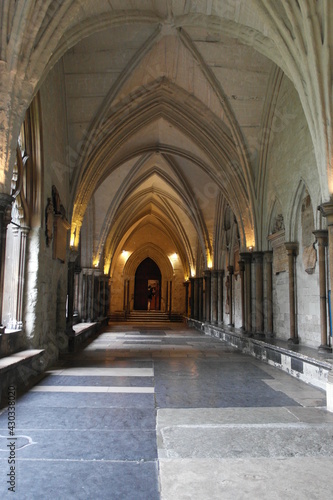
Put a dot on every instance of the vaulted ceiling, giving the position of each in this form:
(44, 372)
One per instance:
(167, 102)
(169, 120)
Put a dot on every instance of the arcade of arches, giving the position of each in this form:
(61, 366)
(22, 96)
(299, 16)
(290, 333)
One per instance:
(185, 145)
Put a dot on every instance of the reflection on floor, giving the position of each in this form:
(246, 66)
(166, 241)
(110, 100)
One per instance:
(168, 413)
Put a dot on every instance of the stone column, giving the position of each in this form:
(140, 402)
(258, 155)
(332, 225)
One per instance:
(327, 211)
(5, 217)
(322, 239)
(207, 296)
(192, 298)
(200, 311)
(231, 318)
(292, 249)
(170, 301)
(241, 273)
(269, 291)
(24, 231)
(196, 298)
(220, 297)
(70, 292)
(167, 298)
(259, 317)
(186, 285)
(247, 258)
(214, 297)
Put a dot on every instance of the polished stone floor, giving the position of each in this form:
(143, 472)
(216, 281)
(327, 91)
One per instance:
(166, 412)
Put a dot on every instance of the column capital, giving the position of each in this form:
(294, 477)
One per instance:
(207, 273)
(326, 210)
(268, 256)
(72, 255)
(231, 270)
(258, 257)
(321, 236)
(246, 257)
(214, 272)
(291, 247)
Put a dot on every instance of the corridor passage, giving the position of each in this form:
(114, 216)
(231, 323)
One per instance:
(144, 413)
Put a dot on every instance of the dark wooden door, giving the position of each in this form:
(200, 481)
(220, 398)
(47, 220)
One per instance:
(146, 272)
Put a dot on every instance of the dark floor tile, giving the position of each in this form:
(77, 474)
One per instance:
(52, 480)
(84, 445)
(38, 417)
(97, 381)
(87, 400)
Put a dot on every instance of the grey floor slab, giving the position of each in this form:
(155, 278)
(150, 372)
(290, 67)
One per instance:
(81, 418)
(246, 441)
(196, 383)
(83, 445)
(98, 381)
(70, 480)
(80, 400)
(252, 479)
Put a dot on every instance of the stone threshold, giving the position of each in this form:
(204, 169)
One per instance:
(301, 362)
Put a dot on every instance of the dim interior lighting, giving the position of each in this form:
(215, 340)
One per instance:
(250, 249)
(193, 273)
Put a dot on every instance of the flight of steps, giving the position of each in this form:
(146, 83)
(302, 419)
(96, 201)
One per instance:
(146, 317)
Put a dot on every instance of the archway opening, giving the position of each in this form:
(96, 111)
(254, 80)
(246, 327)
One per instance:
(147, 292)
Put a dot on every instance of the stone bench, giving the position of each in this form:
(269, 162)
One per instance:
(19, 370)
(81, 333)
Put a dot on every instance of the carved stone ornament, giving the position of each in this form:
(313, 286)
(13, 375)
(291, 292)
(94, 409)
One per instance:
(279, 224)
(309, 259)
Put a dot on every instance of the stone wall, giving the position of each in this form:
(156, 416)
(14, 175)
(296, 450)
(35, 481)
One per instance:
(46, 278)
(291, 167)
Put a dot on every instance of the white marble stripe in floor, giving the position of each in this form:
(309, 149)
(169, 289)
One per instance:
(93, 389)
(106, 372)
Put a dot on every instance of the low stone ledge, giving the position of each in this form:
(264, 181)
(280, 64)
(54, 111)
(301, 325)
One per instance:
(310, 370)
(81, 333)
(329, 392)
(20, 370)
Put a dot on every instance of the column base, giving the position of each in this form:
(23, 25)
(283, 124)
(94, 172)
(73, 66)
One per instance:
(248, 334)
(293, 340)
(261, 335)
(324, 348)
(70, 332)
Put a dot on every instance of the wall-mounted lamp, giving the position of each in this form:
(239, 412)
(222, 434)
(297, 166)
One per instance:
(250, 249)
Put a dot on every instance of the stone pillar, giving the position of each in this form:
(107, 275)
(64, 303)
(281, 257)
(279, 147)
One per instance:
(247, 258)
(5, 217)
(70, 292)
(200, 284)
(220, 276)
(207, 296)
(24, 231)
(231, 318)
(322, 239)
(170, 301)
(269, 292)
(241, 273)
(259, 316)
(196, 298)
(109, 296)
(292, 249)
(167, 298)
(186, 285)
(214, 296)
(192, 298)
(327, 211)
